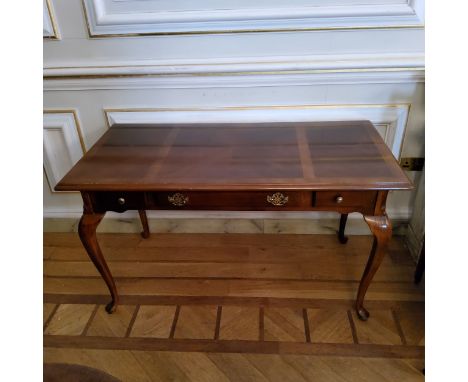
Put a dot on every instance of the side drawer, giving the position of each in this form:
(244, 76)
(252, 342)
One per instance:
(119, 201)
(350, 199)
(234, 200)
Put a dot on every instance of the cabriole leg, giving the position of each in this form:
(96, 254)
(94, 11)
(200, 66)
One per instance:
(381, 228)
(144, 222)
(341, 236)
(87, 232)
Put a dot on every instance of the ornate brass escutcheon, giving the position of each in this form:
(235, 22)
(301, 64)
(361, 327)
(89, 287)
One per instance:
(277, 199)
(178, 199)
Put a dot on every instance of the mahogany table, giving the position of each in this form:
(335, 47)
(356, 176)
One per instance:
(322, 166)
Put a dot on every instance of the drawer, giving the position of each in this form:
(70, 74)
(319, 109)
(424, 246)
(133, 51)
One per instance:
(118, 201)
(345, 198)
(234, 200)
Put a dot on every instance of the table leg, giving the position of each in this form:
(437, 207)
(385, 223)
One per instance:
(418, 274)
(341, 236)
(87, 232)
(381, 228)
(144, 222)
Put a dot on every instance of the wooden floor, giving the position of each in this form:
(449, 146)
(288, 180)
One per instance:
(233, 307)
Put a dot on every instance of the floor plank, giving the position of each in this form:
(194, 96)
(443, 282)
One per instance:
(47, 310)
(284, 324)
(154, 321)
(70, 319)
(178, 366)
(241, 288)
(237, 367)
(111, 325)
(275, 368)
(122, 364)
(412, 324)
(158, 254)
(239, 323)
(196, 322)
(380, 329)
(310, 270)
(329, 326)
(143, 366)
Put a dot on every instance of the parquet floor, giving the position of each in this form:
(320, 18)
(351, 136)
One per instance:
(233, 307)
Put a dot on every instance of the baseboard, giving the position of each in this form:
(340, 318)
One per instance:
(355, 226)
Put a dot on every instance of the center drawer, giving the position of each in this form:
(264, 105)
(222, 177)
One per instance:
(233, 200)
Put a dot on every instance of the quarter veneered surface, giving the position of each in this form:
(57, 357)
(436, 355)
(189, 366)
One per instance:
(260, 156)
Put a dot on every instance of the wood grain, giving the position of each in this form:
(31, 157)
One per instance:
(309, 270)
(234, 346)
(329, 326)
(412, 321)
(147, 366)
(347, 154)
(168, 366)
(154, 321)
(284, 324)
(239, 323)
(47, 310)
(111, 325)
(70, 319)
(149, 354)
(380, 330)
(329, 290)
(196, 322)
(236, 367)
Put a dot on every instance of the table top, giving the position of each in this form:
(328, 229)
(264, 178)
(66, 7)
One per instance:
(348, 155)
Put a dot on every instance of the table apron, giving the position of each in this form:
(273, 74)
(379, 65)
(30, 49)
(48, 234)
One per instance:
(365, 201)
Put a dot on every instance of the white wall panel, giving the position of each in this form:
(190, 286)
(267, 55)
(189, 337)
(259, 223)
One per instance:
(112, 17)
(76, 49)
(62, 144)
(49, 26)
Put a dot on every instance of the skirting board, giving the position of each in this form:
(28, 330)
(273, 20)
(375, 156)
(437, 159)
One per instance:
(269, 226)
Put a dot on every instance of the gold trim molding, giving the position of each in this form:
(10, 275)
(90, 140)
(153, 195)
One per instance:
(259, 107)
(242, 31)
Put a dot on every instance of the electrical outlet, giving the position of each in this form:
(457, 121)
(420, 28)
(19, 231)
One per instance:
(412, 164)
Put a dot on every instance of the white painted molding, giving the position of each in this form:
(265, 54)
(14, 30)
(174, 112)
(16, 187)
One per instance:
(237, 80)
(62, 144)
(130, 17)
(324, 63)
(418, 7)
(49, 27)
(389, 119)
(240, 72)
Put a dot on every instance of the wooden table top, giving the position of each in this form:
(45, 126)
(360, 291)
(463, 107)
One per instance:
(348, 155)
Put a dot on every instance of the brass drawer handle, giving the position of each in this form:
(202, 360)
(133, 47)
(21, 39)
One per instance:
(277, 199)
(178, 199)
(339, 199)
(121, 201)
